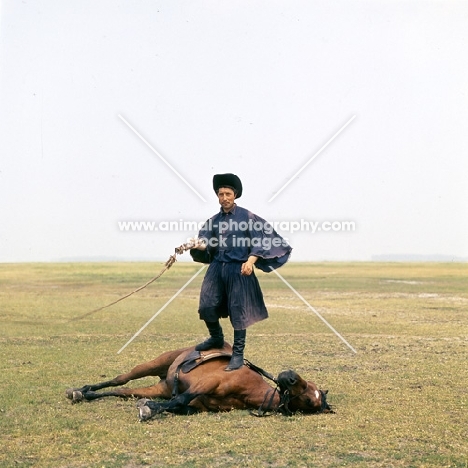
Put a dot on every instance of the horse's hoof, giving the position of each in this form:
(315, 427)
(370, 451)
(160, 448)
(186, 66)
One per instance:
(144, 413)
(77, 396)
(142, 402)
(144, 410)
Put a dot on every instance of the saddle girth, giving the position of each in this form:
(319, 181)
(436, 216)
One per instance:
(192, 360)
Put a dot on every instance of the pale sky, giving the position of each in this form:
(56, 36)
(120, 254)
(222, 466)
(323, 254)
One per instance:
(256, 88)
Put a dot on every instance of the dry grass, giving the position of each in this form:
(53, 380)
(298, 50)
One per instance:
(401, 401)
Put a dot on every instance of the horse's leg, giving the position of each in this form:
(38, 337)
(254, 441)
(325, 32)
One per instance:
(160, 390)
(157, 367)
(181, 403)
(178, 405)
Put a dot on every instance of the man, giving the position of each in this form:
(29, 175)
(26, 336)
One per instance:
(232, 242)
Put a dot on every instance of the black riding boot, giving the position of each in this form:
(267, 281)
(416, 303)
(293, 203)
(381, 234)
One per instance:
(216, 339)
(237, 359)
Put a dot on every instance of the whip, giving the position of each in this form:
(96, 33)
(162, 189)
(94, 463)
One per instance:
(172, 259)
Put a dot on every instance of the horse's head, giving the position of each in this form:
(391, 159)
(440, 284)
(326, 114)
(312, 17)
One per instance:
(299, 395)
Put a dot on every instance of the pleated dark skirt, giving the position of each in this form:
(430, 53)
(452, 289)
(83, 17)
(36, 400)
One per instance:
(227, 293)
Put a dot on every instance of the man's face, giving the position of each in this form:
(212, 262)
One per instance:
(226, 198)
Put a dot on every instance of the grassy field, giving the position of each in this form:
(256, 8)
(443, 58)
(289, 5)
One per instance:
(401, 401)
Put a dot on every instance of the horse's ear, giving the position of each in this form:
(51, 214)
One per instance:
(325, 391)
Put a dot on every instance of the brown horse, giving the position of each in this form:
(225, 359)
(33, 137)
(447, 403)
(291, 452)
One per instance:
(195, 381)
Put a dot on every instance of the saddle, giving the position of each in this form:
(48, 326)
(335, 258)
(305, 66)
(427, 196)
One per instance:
(192, 360)
(195, 358)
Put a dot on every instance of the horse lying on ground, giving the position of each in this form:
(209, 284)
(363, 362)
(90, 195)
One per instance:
(195, 381)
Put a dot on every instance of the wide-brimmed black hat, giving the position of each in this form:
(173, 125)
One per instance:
(227, 180)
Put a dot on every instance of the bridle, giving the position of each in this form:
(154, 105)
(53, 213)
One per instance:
(286, 399)
(266, 407)
(283, 407)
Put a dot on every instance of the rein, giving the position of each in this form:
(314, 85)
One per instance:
(285, 398)
(261, 412)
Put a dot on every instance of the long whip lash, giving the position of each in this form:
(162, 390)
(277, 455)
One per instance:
(161, 309)
(314, 311)
(172, 259)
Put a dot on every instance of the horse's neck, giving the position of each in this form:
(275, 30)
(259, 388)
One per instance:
(271, 400)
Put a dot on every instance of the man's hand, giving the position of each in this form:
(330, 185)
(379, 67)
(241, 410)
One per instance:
(248, 266)
(197, 243)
